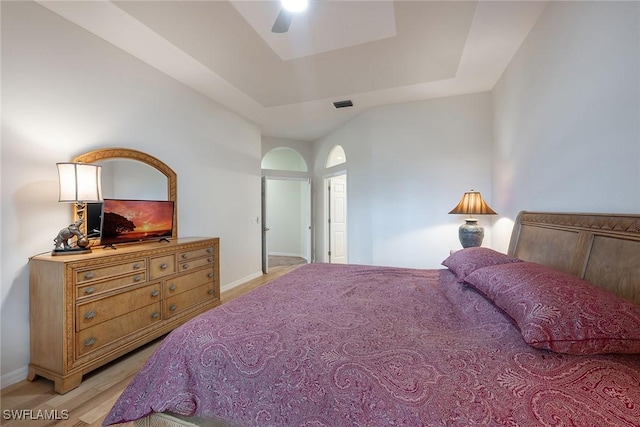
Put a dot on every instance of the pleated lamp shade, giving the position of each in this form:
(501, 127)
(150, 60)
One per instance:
(472, 203)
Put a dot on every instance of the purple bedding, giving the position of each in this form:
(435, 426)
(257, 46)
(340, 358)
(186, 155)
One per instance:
(347, 345)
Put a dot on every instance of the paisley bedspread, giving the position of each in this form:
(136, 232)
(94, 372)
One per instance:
(348, 345)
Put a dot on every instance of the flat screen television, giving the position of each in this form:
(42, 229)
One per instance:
(125, 221)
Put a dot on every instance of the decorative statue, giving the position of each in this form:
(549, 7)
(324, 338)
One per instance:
(62, 239)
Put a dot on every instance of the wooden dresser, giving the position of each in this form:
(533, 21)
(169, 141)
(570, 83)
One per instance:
(86, 310)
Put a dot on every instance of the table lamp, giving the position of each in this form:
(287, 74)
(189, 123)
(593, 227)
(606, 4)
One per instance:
(471, 233)
(79, 183)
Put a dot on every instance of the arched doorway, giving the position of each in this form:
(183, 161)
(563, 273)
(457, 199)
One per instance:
(286, 208)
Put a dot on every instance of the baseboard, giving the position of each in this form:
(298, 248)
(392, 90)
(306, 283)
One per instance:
(287, 254)
(14, 377)
(242, 281)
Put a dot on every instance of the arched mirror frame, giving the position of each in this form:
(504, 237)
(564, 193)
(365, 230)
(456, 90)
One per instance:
(126, 153)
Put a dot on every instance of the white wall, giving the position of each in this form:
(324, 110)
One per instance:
(66, 92)
(567, 115)
(408, 166)
(287, 215)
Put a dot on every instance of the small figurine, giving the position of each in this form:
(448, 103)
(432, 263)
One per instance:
(61, 242)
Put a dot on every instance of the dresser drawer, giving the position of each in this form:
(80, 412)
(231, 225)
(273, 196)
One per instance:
(175, 304)
(97, 336)
(162, 266)
(195, 263)
(197, 253)
(95, 312)
(99, 287)
(93, 274)
(188, 281)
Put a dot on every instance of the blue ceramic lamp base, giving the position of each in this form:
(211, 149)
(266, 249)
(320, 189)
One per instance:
(470, 233)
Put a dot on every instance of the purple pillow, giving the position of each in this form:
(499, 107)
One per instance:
(466, 261)
(560, 312)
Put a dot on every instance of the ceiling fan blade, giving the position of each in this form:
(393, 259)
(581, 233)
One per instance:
(283, 21)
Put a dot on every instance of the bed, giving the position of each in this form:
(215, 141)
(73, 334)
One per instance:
(516, 339)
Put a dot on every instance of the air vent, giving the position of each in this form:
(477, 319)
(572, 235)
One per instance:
(343, 104)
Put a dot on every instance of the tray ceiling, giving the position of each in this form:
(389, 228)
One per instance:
(372, 52)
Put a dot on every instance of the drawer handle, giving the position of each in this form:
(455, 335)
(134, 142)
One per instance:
(89, 275)
(89, 342)
(209, 250)
(164, 266)
(173, 307)
(155, 293)
(137, 265)
(155, 315)
(90, 315)
(185, 266)
(210, 291)
(210, 275)
(172, 287)
(89, 290)
(210, 259)
(137, 278)
(185, 256)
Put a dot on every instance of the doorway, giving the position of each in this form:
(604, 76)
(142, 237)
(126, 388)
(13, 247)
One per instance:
(286, 221)
(336, 203)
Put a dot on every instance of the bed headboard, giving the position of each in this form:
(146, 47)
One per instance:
(603, 249)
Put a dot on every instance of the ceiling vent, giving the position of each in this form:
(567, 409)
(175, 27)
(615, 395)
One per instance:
(343, 104)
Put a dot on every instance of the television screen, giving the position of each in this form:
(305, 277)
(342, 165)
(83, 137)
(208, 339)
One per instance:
(135, 220)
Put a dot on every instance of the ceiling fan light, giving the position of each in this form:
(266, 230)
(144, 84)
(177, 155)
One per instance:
(294, 5)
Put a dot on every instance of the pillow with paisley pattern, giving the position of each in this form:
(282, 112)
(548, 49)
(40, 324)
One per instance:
(560, 312)
(466, 261)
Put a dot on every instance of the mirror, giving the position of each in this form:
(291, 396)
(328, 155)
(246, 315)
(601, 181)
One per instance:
(130, 179)
(130, 174)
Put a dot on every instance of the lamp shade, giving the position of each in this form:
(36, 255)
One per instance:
(472, 203)
(79, 182)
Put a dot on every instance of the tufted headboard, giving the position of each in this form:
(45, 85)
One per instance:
(603, 249)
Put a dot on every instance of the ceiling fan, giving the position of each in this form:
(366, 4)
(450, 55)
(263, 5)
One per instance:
(288, 9)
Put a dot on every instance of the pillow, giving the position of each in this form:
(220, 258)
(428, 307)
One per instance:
(466, 261)
(560, 312)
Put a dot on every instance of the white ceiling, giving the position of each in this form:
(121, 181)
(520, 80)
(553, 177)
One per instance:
(373, 52)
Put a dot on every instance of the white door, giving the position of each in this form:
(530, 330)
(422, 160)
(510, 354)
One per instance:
(337, 223)
(265, 246)
(306, 212)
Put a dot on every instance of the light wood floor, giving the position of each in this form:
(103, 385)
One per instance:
(278, 260)
(89, 404)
